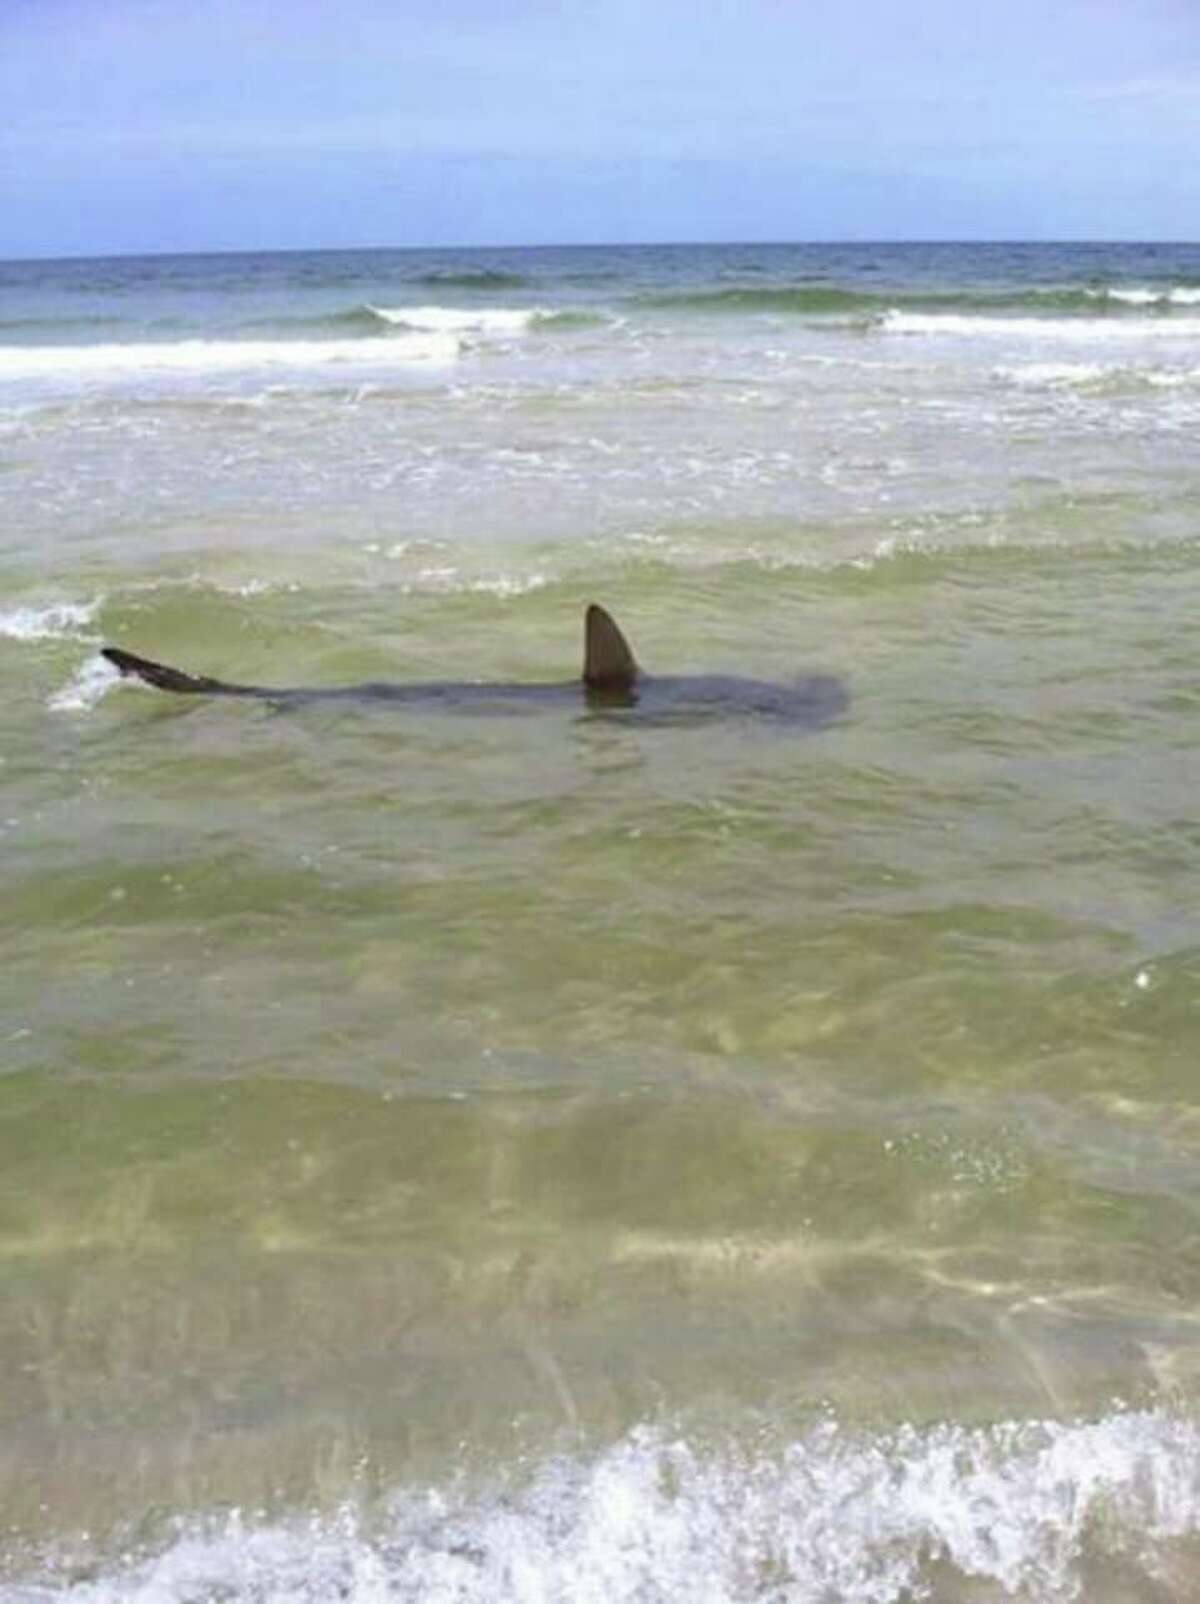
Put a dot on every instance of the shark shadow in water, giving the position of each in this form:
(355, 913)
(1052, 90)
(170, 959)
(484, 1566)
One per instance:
(611, 681)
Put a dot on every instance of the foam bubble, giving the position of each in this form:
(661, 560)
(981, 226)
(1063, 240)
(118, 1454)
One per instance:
(88, 688)
(59, 621)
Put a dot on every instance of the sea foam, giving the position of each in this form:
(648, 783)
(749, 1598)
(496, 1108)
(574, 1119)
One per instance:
(1089, 375)
(222, 356)
(1024, 1507)
(59, 621)
(1041, 328)
(1053, 375)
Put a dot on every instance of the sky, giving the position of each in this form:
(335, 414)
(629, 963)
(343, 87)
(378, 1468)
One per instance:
(184, 125)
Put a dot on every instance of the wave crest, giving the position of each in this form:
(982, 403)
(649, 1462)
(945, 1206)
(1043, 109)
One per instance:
(454, 319)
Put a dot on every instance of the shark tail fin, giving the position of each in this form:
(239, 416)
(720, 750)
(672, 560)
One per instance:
(167, 679)
(608, 662)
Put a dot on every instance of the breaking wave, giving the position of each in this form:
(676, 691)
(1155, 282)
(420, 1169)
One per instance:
(1151, 295)
(455, 320)
(895, 321)
(437, 346)
(370, 321)
(574, 319)
(1032, 1508)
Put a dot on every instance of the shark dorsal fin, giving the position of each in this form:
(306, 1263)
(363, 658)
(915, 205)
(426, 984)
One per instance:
(608, 663)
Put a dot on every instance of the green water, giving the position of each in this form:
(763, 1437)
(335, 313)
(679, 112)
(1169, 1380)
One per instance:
(377, 1081)
(483, 1157)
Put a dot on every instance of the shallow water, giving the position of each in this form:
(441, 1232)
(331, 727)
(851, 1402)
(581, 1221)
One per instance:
(556, 1156)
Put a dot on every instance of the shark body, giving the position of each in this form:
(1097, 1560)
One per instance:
(611, 681)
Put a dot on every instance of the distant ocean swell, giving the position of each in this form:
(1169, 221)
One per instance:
(1037, 1509)
(474, 279)
(423, 346)
(1166, 307)
(399, 336)
(371, 320)
(810, 299)
(21, 325)
(387, 336)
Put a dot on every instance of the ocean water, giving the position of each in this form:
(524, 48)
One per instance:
(561, 1156)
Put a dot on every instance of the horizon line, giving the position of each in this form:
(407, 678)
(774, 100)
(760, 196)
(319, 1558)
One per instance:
(595, 245)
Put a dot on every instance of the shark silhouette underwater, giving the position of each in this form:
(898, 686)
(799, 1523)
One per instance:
(611, 681)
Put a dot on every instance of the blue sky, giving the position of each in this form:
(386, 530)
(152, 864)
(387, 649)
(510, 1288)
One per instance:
(155, 125)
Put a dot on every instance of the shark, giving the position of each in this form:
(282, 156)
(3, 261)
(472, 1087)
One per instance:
(611, 682)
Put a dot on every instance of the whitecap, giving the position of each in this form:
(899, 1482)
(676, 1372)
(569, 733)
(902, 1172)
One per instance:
(1177, 295)
(1132, 297)
(457, 320)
